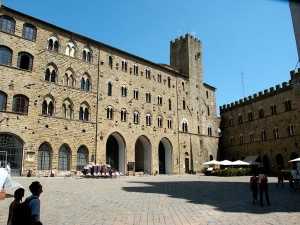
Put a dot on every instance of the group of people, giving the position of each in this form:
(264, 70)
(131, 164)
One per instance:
(259, 183)
(26, 212)
(104, 170)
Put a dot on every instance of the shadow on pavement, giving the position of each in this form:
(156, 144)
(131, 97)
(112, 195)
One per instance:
(224, 196)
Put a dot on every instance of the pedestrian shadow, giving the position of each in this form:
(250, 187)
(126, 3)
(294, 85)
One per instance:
(224, 196)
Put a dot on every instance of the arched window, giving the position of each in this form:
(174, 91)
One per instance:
(148, 119)
(68, 109)
(123, 115)
(136, 117)
(3, 101)
(123, 91)
(85, 83)
(48, 106)
(82, 157)
(44, 157)
(25, 61)
(64, 158)
(29, 32)
(20, 104)
(69, 78)
(87, 55)
(7, 24)
(5, 55)
(109, 113)
(84, 112)
(70, 49)
(51, 73)
(109, 89)
(184, 126)
(159, 121)
(53, 44)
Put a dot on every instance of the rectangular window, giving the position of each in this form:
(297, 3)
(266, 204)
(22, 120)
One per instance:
(148, 97)
(250, 116)
(291, 130)
(159, 78)
(263, 135)
(159, 100)
(288, 105)
(136, 94)
(273, 110)
(240, 119)
(241, 139)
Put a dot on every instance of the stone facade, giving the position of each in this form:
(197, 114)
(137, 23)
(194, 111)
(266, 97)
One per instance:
(86, 114)
(265, 125)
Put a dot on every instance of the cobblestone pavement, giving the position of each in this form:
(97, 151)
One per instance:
(149, 200)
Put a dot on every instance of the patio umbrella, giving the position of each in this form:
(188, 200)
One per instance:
(226, 163)
(240, 163)
(212, 162)
(295, 160)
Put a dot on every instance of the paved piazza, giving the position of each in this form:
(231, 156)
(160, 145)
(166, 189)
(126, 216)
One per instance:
(172, 200)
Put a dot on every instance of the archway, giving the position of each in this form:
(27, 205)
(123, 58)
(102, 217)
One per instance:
(187, 162)
(165, 156)
(143, 155)
(11, 151)
(266, 164)
(279, 161)
(211, 157)
(115, 152)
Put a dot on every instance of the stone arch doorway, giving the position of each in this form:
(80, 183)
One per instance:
(143, 155)
(11, 151)
(115, 152)
(165, 150)
(266, 163)
(187, 162)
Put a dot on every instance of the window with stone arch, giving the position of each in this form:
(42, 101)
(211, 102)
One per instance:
(3, 101)
(64, 158)
(148, 119)
(82, 157)
(53, 44)
(85, 82)
(20, 104)
(48, 106)
(123, 115)
(44, 156)
(184, 126)
(69, 78)
(109, 112)
(7, 24)
(68, 109)
(136, 117)
(25, 61)
(70, 49)
(84, 111)
(87, 55)
(51, 73)
(160, 121)
(123, 91)
(29, 32)
(5, 55)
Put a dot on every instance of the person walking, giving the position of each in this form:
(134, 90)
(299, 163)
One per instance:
(263, 189)
(15, 207)
(254, 187)
(33, 202)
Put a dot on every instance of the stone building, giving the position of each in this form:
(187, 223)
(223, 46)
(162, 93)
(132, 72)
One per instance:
(66, 99)
(265, 126)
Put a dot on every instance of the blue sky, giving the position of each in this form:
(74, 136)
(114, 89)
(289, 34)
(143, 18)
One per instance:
(253, 37)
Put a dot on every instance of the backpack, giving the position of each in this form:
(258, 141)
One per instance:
(24, 212)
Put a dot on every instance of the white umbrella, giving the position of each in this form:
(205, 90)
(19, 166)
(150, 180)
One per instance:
(226, 163)
(212, 162)
(240, 163)
(295, 160)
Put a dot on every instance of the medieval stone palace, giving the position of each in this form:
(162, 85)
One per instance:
(66, 100)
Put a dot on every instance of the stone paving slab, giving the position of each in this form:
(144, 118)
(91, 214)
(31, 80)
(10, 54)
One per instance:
(156, 200)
